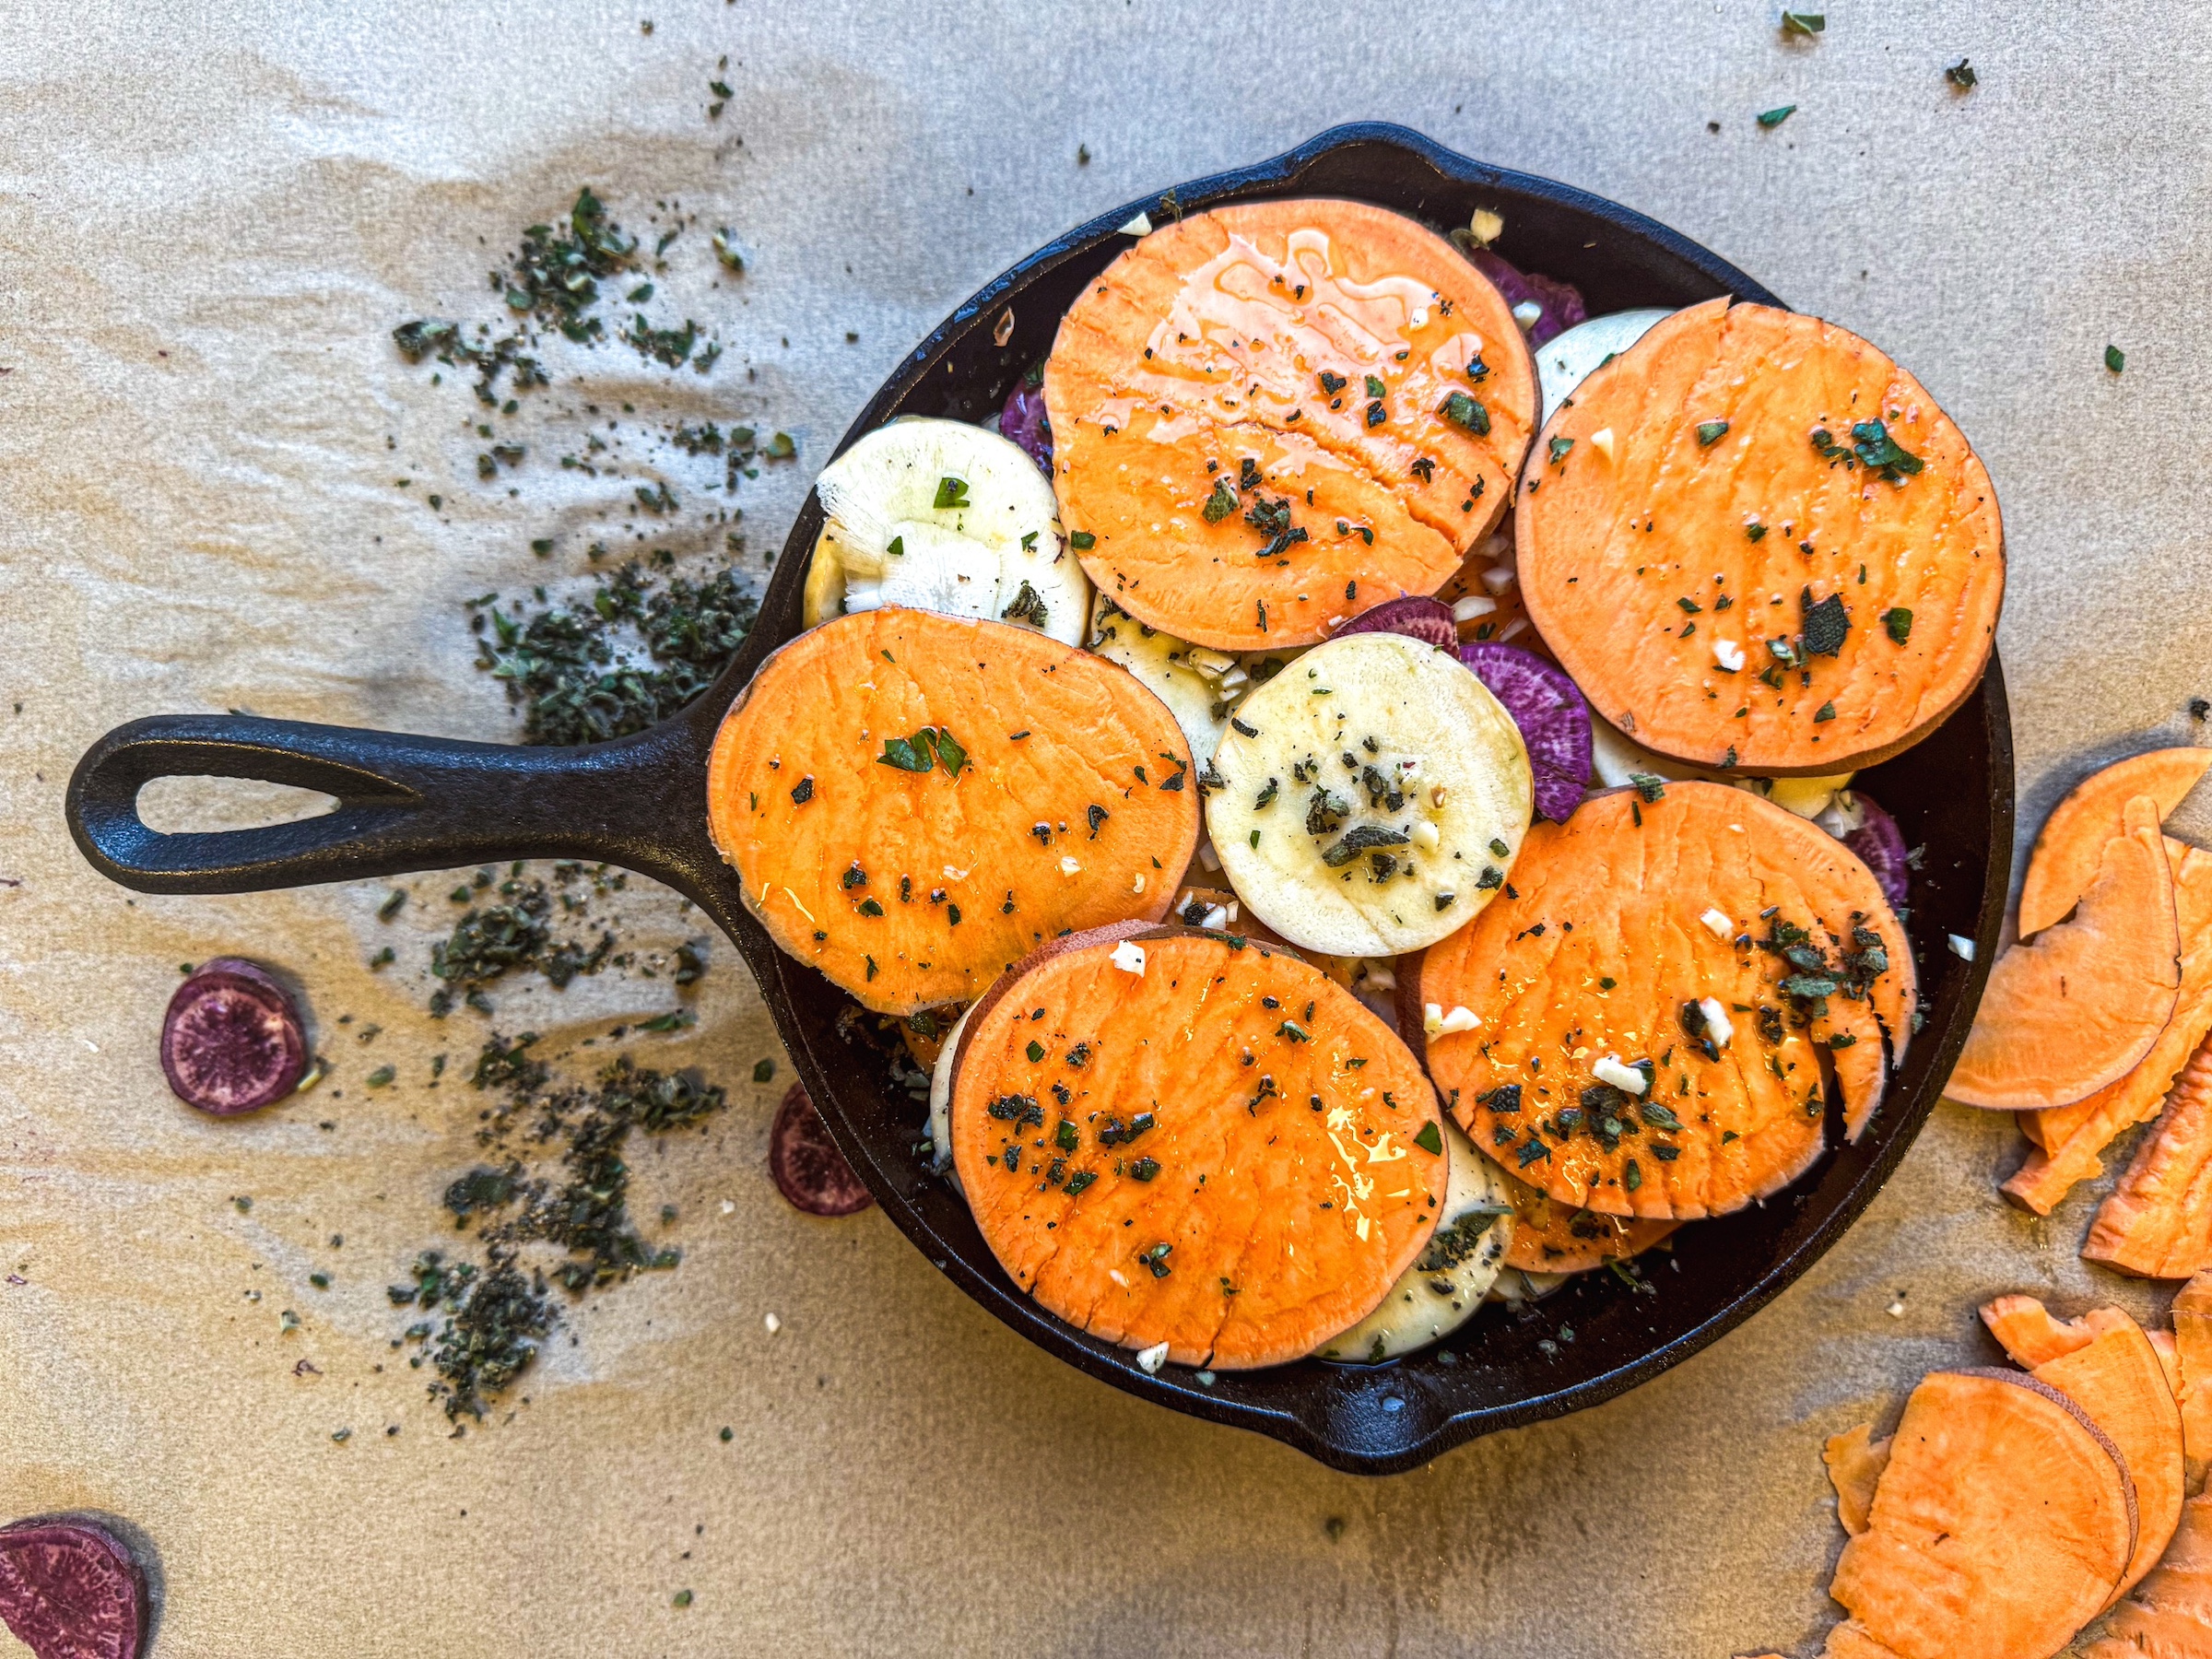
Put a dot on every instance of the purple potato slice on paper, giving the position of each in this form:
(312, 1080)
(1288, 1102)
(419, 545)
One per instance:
(68, 1590)
(232, 1041)
(1561, 302)
(809, 1169)
(1553, 718)
(1880, 845)
(1427, 620)
(1023, 421)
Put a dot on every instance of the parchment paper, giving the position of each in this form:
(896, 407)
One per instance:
(210, 217)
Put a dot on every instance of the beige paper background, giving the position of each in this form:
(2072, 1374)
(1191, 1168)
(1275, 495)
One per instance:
(209, 217)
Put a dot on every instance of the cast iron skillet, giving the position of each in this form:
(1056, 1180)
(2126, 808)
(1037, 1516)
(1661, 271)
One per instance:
(427, 803)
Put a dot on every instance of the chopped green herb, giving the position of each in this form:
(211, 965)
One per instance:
(1880, 455)
(1558, 448)
(2114, 359)
(1899, 622)
(1082, 541)
(1824, 626)
(1028, 606)
(1430, 1140)
(951, 492)
(1774, 118)
(1961, 75)
(1711, 433)
(1803, 23)
(915, 754)
(1461, 410)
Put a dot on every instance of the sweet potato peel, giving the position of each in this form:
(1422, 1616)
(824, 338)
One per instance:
(912, 872)
(2080, 1004)
(1620, 931)
(1212, 1146)
(2115, 1376)
(1270, 416)
(1999, 1528)
(1733, 482)
(2070, 1140)
(2169, 1616)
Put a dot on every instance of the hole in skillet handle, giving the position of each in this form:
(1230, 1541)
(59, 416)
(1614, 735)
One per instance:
(1597, 1337)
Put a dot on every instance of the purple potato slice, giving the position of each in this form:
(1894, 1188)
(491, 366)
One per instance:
(1023, 421)
(232, 1041)
(70, 1590)
(1427, 620)
(1560, 302)
(1553, 718)
(809, 1169)
(1880, 845)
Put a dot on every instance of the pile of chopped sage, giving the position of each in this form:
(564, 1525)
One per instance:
(550, 1207)
(634, 653)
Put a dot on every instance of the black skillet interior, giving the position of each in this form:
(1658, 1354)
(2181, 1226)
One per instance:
(417, 803)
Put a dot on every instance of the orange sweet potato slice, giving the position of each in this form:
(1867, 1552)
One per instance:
(2158, 1221)
(1224, 1151)
(1271, 417)
(2080, 1004)
(1550, 1237)
(2070, 1140)
(1067, 802)
(1999, 1528)
(2032, 1336)
(1855, 1461)
(2106, 1365)
(2169, 1616)
(1852, 1640)
(1731, 480)
(1614, 931)
(2192, 1357)
(2070, 846)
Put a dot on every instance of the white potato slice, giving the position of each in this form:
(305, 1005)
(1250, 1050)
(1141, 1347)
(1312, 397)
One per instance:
(996, 551)
(1564, 361)
(1615, 762)
(1441, 1291)
(1370, 798)
(1514, 1286)
(940, 1098)
(1191, 690)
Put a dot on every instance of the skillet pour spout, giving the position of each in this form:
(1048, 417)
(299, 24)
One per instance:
(408, 803)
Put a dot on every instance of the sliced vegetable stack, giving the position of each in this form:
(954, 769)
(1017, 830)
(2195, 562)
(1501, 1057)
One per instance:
(2075, 1009)
(1269, 417)
(2011, 1507)
(1755, 541)
(1657, 1001)
(1277, 476)
(2100, 1016)
(1174, 1136)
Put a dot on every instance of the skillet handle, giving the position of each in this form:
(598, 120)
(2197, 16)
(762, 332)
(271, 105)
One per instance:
(404, 804)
